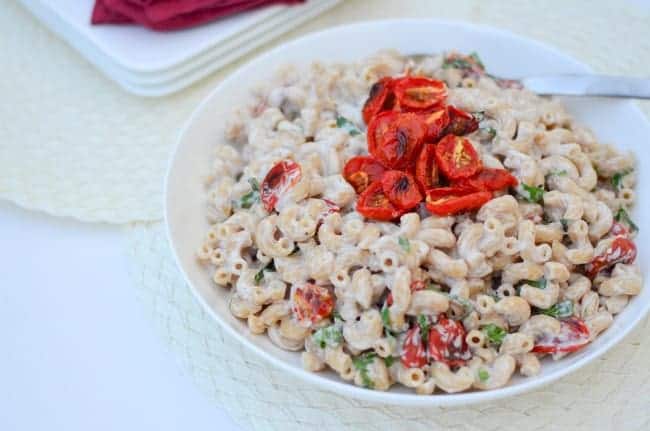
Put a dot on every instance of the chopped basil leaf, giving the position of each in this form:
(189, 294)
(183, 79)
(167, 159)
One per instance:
(618, 177)
(255, 186)
(495, 334)
(389, 361)
(540, 284)
(337, 315)
(260, 274)
(479, 116)
(344, 123)
(404, 243)
(473, 55)
(491, 132)
(535, 194)
(623, 216)
(561, 310)
(483, 375)
(385, 319)
(423, 322)
(330, 336)
(361, 364)
(252, 197)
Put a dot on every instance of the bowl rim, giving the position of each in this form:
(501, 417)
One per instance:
(341, 387)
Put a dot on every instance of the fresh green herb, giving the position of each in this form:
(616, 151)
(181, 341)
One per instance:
(260, 274)
(474, 56)
(469, 62)
(565, 224)
(495, 334)
(361, 364)
(618, 177)
(404, 243)
(389, 361)
(462, 302)
(423, 322)
(330, 336)
(479, 116)
(385, 319)
(344, 123)
(540, 284)
(535, 194)
(337, 316)
(433, 286)
(252, 197)
(491, 132)
(483, 375)
(623, 216)
(561, 173)
(561, 310)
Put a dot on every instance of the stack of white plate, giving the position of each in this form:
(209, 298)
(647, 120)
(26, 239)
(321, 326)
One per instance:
(150, 63)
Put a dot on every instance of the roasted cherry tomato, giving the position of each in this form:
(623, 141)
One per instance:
(374, 204)
(395, 138)
(621, 250)
(278, 180)
(573, 335)
(312, 303)
(419, 93)
(456, 158)
(435, 123)
(414, 354)
(401, 189)
(445, 201)
(460, 122)
(360, 171)
(426, 170)
(447, 342)
(489, 179)
(381, 97)
(415, 286)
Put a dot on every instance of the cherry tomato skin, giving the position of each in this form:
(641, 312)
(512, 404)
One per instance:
(417, 93)
(573, 335)
(374, 204)
(426, 170)
(622, 250)
(435, 123)
(361, 171)
(414, 354)
(440, 203)
(460, 122)
(381, 97)
(456, 158)
(280, 178)
(447, 342)
(395, 138)
(489, 179)
(312, 303)
(401, 189)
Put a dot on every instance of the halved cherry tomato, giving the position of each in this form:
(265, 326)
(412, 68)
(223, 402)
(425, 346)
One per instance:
(360, 171)
(284, 175)
(622, 250)
(401, 189)
(415, 286)
(447, 342)
(456, 158)
(381, 97)
(489, 179)
(374, 204)
(426, 170)
(460, 122)
(573, 335)
(419, 92)
(395, 138)
(435, 123)
(445, 201)
(312, 303)
(414, 354)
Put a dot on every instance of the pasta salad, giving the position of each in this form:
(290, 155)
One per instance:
(418, 221)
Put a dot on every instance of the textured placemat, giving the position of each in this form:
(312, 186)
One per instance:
(72, 143)
(611, 393)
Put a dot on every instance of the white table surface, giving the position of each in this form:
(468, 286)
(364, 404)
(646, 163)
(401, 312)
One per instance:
(78, 352)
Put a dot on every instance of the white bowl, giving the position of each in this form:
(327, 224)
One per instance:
(504, 54)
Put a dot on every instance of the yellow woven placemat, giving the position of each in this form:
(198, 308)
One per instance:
(73, 144)
(613, 392)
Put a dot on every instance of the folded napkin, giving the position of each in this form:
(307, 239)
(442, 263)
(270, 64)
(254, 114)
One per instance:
(165, 15)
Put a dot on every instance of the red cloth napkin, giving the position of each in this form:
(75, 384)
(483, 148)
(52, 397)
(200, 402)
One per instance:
(165, 15)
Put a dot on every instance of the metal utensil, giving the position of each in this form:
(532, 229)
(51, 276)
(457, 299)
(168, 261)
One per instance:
(589, 85)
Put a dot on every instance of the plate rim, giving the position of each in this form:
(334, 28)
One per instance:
(341, 387)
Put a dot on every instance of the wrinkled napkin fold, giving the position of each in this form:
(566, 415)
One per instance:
(166, 15)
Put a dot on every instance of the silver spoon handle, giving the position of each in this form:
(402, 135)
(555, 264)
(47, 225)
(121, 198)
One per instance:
(589, 85)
